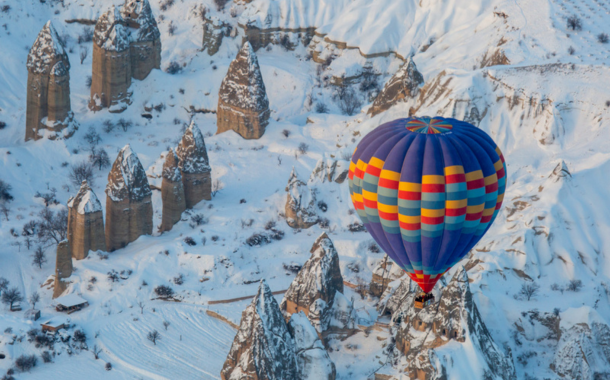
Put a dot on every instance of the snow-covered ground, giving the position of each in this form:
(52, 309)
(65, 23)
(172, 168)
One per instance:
(551, 230)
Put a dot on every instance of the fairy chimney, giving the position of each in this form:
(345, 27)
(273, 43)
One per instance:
(85, 223)
(48, 88)
(242, 101)
(300, 208)
(194, 166)
(172, 192)
(129, 209)
(145, 39)
(63, 268)
(403, 85)
(111, 75)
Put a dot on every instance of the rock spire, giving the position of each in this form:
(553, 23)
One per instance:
(48, 88)
(85, 223)
(194, 166)
(145, 38)
(300, 209)
(242, 101)
(128, 201)
(63, 268)
(403, 85)
(172, 192)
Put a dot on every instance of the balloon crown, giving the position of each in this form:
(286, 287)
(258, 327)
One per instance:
(429, 125)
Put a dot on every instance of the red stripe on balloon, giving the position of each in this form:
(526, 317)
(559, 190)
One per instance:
(410, 226)
(372, 170)
(455, 178)
(491, 188)
(475, 216)
(433, 188)
(475, 184)
(388, 183)
(433, 219)
(455, 211)
(388, 216)
(409, 195)
(370, 204)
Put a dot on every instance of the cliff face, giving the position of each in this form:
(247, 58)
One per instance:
(194, 166)
(214, 31)
(300, 209)
(126, 45)
(403, 85)
(313, 361)
(263, 348)
(242, 100)
(172, 192)
(63, 268)
(455, 317)
(85, 223)
(386, 272)
(48, 88)
(128, 203)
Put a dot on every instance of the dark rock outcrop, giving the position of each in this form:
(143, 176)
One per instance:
(214, 31)
(300, 209)
(403, 85)
(194, 166)
(128, 203)
(263, 348)
(63, 268)
(48, 88)
(172, 192)
(85, 223)
(242, 100)
(454, 318)
(313, 362)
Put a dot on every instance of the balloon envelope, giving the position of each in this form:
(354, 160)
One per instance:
(427, 190)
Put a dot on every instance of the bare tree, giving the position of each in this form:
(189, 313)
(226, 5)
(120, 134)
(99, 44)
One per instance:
(124, 124)
(153, 336)
(141, 305)
(53, 226)
(34, 299)
(5, 191)
(529, 290)
(574, 285)
(99, 158)
(10, 296)
(166, 324)
(3, 283)
(96, 351)
(80, 172)
(4, 209)
(303, 148)
(92, 137)
(84, 52)
(39, 257)
(349, 102)
(215, 187)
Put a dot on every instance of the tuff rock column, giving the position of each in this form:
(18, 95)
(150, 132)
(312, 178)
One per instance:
(242, 101)
(403, 85)
(194, 166)
(85, 223)
(145, 42)
(63, 268)
(48, 88)
(172, 192)
(129, 210)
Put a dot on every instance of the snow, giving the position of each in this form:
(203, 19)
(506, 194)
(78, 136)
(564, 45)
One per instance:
(87, 200)
(129, 178)
(70, 300)
(46, 50)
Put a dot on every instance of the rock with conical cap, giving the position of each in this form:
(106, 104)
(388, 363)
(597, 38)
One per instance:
(194, 166)
(145, 40)
(403, 85)
(48, 88)
(128, 202)
(85, 223)
(172, 192)
(243, 105)
(263, 348)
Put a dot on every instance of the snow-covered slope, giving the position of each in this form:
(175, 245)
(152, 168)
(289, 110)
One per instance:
(546, 105)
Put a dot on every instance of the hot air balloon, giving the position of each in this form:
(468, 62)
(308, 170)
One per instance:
(427, 189)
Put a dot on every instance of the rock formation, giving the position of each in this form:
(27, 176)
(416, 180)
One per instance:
(300, 209)
(328, 171)
(194, 166)
(454, 318)
(263, 348)
(242, 101)
(128, 201)
(386, 272)
(313, 361)
(111, 75)
(85, 223)
(145, 39)
(214, 31)
(405, 84)
(126, 45)
(172, 192)
(317, 290)
(63, 268)
(560, 171)
(48, 88)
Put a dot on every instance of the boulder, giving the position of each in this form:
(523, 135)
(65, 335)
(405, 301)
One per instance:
(85, 223)
(145, 38)
(172, 192)
(194, 166)
(403, 85)
(128, 201)
(111, 74)
(63, 268)
(313, 361)
(263, 348)
(301, 205)
(454, 318)
(242, 100)
(48, 88)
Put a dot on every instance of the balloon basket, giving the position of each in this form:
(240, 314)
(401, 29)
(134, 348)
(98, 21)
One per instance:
(422, 300)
